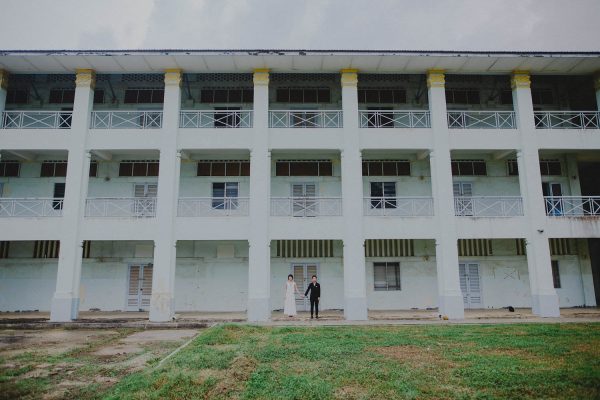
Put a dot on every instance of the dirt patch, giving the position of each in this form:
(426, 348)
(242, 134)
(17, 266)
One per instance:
(51, 342)
(234, 378)
(351, 392)
(119, 349)
(415, 356)
(162, 335)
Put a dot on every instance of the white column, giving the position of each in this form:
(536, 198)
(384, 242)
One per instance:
(3, 87)
(259, 260)
(573, 175)
(597, 88)
(65, 302)
(165, 245)
(543, 296)
(450, 300)
(355, 290)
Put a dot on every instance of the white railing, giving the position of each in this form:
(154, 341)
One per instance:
(481, 120)
(127, 207)
(30, 207)
(306, 206)
(215, 119)
(398, 206)
(487, 206)
(305, 119)
(567, 119)
(212, 206)
(36, 119)
(572, 206)
(126, 119)
(394, 119)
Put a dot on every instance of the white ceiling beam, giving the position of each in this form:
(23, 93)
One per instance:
(103, 155)
(500, 155)
(22, 155)
(422, 155)
(185, 155)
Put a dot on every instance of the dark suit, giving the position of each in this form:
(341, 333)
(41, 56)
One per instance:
(315, 294)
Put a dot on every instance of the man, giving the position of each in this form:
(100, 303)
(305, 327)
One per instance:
(315, 295)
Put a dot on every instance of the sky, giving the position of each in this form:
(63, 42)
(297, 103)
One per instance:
(500, 25)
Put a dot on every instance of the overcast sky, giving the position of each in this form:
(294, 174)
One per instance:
(560, 25)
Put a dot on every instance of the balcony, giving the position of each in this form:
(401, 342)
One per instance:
(30, 207)
(306, 206)
(572, 206)
(215, 119)
(126, 120)
(567, 119)
(36, 119)
(398, 206)
(121, 207)
(481, 120)
(486, 206)
(213, 206)
(305, 119)
(394, 119)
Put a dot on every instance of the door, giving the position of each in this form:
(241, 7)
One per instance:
(304, 202)
(302, 275)
(463, 201)
(65, 118)
(383, 194)
(470, 284)
(59, 195)
(1, 188)
(145, 199)
(553, 193)
(139, 289)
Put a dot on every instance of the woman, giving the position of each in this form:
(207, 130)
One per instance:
(289, 307)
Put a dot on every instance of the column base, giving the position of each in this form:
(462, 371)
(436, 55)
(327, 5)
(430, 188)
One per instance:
(451, 306)
(64, 309)
(545, 305)
(355, 309)
(259, 310)
(161, 307)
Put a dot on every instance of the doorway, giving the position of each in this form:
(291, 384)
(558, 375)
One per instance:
(139, 288)
(470, 284)
(302, 275)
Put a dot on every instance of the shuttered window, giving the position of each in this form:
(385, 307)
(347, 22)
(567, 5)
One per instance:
(555, 274)
(389, 248)
(469, 168)
(53, 168)
(62, 96)
(521, 247)
(17, 96)
(386, 276)
(386, 168)
(46, 249)
(562, 247)
(550, 167)
(462, 96)
(381, 96)
(303, 95)
(474, 247)
(138, 168)
(9, 168)
(304, 248)
(144, 96)
(223, 168)
(86, 247)
(226, 95)
(304, 168)
(4, 249)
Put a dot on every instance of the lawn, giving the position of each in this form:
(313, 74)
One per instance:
(393, 362)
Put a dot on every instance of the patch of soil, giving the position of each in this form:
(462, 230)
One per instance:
(351, 392)
(234, 378)
(118, 349)
(415, 356)
(160, 335)
(52, 341)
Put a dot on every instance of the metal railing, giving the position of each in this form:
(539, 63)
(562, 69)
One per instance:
(488, 206)
(212, 206)
(394, 119)
(127, 207)
(126, 119)
(398, 206)
(215, 119)
(306, 206)
(567, 119)
(572, 206)
(481, 120)
(36, 119)
(305, 119)
(30, 207)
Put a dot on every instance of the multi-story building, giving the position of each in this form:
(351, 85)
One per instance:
(198, 180)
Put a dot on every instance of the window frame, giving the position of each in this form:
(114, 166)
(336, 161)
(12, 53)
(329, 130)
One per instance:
(4, 165)
(456, 167)
(154, 163)
(154, 92)
(324, 167)
(56, 166)
(556, 274)
(386, 265)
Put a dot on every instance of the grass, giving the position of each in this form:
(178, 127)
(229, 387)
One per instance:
(400, 362)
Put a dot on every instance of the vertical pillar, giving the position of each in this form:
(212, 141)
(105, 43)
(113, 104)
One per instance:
(543, 296)
(450, 300)
(587, 276)
(573, 175)
(355, 290)
(3, 88)
(597, 88)
(165, 245)
(259, 260)
(65, 302)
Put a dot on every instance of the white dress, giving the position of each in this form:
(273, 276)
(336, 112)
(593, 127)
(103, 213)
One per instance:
(289, 307)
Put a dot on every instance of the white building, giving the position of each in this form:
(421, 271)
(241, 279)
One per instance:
(197, 180)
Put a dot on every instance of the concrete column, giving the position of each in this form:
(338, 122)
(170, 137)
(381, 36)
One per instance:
(587, 278)
(65, 302)
(450, 298)
(3, 88)
(165, 245)
(573, 174)
(355, 280)
(543, 296)
(597, 88)
(259, 263)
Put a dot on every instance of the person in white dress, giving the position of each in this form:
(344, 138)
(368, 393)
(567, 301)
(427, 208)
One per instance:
(289, 307)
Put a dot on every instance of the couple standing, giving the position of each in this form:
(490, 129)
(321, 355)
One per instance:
(290, 301)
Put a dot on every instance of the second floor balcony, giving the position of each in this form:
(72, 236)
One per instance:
(215, 119)
(306, 206)
(567, 119)
(394, 119)
(120, 207)
(572, 206)
(119, 119)
(31, 207)
(305, 119)
(398, 206)
(481, 120)
(213, 206)
(33, 119)
(488, 206)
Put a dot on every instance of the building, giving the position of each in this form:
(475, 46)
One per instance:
(197, 180)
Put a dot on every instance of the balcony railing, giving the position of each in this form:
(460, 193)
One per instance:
(126, 119)
(486, 206)
(567, 119)
(212, 206)
(305, 119)
(36, 119)
(306, 206)
(394, 119)
(481, 120)
(398, 206)
(30, 207)
(572, 206)
(216, 119)
(121, 207)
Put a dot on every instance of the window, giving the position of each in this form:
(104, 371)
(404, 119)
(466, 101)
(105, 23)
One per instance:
(224, 195)
(550, 167)
(62, 96)
(9, 168)
(555, 274)
(99, 96)
(59, 195)
(304, 168)
(469, 168)
(4, 249)
(227, 95)
(17, 96)
(506, 97)
(382, 96)
(303, 95)
(144, 96)
(542, 96)
(386, 276)
(512, 167)
(46, 249)
(385, 168)
(93, 169)
(223, 168)
(383, 194)
(462, 96)
(53, 169)
(138, 168)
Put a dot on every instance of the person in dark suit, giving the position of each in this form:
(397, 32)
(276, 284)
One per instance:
(315, 295)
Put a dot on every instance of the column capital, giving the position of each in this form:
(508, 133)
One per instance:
(3, 79)
(436, 78)
(349, 77)
(597, 80)
(173, 76)
(520, 79)
(85, 77)
(261, 77)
